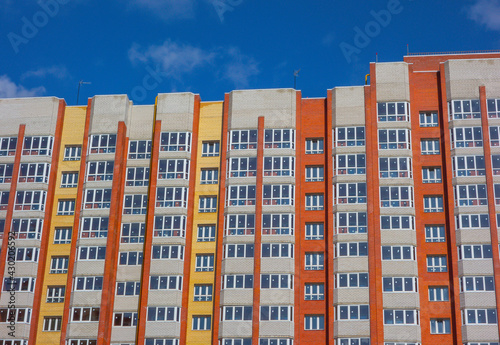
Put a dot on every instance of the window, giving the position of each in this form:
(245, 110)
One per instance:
(236, 313)
(271, 341)
(202, 323)
(314, 322)
(19, 284)
(315, 261)
(479, 316)
(398, 253)
(100, 171)
(26, 254)
(438, 293)
(478, 283)
(397, 196)
(354, 164)
(393, 111)
(82, 342)
(210, 149)
(30, 200)
(243, 139)
(58, 264)
(133, 233)
(94, 227)
(493, 108)
(480, 251)
(240, 224)
(240, 196)
(238, 281)
(315, 202)
(69, 180)
(395, 167)
(203, 293)
(206, 233)
(238, 251)
(440, 326)
(175, 141)
(314, 292)
(351, 222)
(125, 319)
(242, 167)
(165, 283)
(4, 200)
(279, 138)
(352, 280)
(174, 252)
(171, 169)
(2, 227)
(315, 231)
(135, 204)
(8, 146)
(204, 263)
(472, 221)
(137, 176)
(434, 233)
(6, 172)
(400, 317)
(429, 146)
(277, 224)
(495, 135)
(209, 176)
(471, 195)
(91, 253)
(139, 149)
(88, 283)
(40, 146)
(55, 294)
(279, 166)
(436, 263)
(351, 249)
(72, 153)
(353, 312)
(171, 197)
(433, 203)
(350, 193)
(276, 281)
(276, 313)
(394, 139)
(130, 258)
(102, 143)
(349, 136)
(466, 137)
(496, 190)
(315, 173)
(464, 109)
(397, 222)
(276, 250)
(97, 198)
(208, 204)
(281, 194)
(52, 323)
(66, 207)
(85, 314)
(34, 172)
(128, 288)
(399, 284)
(27, 228)
(18, 315)
(431, 175)
(314, 146)
(429, 119)
(170, 226)
(471, 165)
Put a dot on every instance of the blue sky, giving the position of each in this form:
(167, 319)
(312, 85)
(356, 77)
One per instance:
(145, 47)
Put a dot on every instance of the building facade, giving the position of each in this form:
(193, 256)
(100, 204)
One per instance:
(369, 216)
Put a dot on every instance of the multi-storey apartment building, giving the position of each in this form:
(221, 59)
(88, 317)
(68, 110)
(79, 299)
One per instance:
(365, 217)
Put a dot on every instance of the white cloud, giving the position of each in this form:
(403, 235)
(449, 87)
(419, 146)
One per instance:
(9, 89)
(240, 68)
(59, 72)
(487, 13)
(167, 9)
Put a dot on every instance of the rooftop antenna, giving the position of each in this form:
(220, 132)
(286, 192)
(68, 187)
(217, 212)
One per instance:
(79, 85)
(295, 75)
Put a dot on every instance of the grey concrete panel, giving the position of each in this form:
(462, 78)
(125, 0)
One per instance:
(176, 111)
